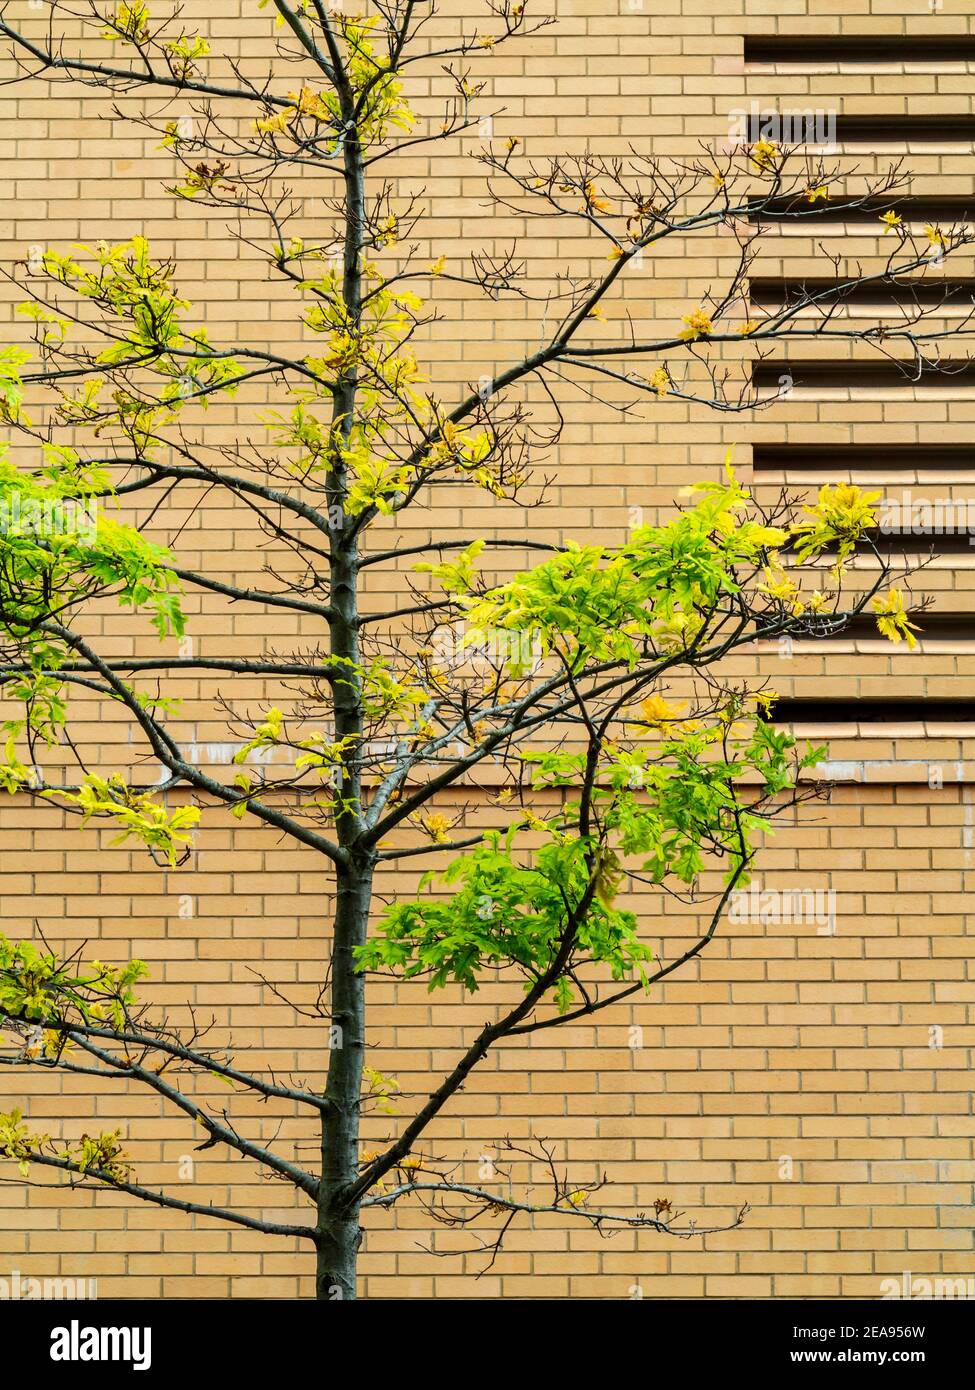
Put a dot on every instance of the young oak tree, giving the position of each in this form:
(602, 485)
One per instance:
(383, 721)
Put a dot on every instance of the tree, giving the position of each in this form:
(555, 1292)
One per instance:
(562, 673)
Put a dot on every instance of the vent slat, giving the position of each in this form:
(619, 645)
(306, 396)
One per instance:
(808, 50)
(930, 291)
(920, 210)
(822, 375)
(824, 458)
(938, 627)
(923, 542)
(893, 710)
(899, 129)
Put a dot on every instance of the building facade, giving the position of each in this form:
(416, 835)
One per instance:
(815, 1063)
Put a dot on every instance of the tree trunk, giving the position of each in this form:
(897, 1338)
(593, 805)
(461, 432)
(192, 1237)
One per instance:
(338, 1224)
(335, 1271)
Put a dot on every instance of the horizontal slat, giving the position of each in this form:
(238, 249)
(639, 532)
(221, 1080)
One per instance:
(943, 211)
(807, 50)
(931, 291)
(890, 710)
(831, 458)
(812, 375)
(919, 542)
(900, 129)
(938, 627)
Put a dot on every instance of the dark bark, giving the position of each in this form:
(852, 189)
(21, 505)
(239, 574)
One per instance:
(338, 1220)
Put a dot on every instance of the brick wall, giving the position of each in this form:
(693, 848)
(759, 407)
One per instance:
(815, 1069)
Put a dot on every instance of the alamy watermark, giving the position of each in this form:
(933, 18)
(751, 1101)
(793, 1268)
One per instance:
(774, 906)
(59, 516)
(78, 1343)
(814, 127)
(454, 645)
(912, 1286)
(17, 1287)
(906, 514)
